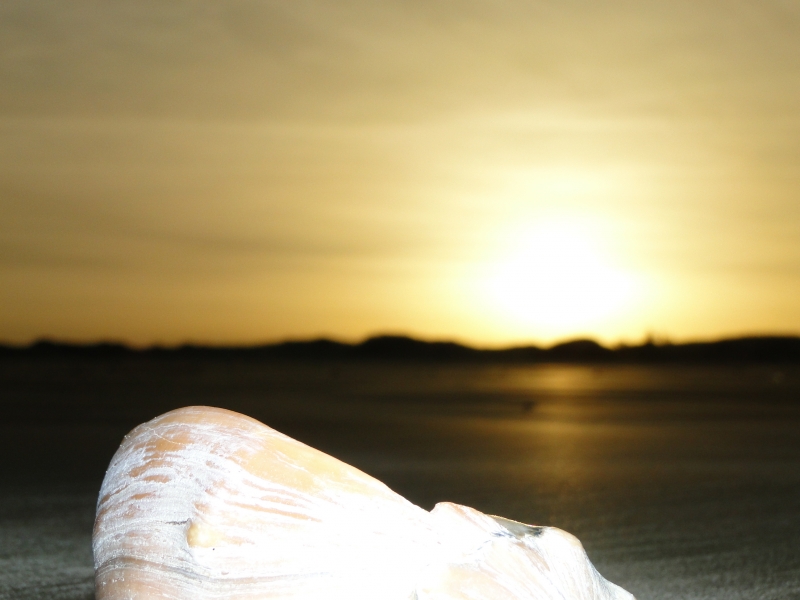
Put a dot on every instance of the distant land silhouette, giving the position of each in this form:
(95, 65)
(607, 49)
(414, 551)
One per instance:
(762, 349)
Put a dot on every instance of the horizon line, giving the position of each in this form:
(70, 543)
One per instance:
(648, 340)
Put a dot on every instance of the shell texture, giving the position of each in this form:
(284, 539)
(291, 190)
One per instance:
(206, 504)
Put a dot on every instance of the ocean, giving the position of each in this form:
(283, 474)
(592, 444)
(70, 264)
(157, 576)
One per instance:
(682, 482)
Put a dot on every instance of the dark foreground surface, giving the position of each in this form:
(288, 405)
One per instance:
(682, 482)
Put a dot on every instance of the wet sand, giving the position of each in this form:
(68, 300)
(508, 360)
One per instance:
(682, 482)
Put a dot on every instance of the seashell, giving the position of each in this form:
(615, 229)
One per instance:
(206, 504)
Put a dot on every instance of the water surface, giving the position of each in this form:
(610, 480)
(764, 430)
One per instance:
(682, 482)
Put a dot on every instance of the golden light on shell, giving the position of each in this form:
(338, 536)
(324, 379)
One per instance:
(203, 503)
(557, 276)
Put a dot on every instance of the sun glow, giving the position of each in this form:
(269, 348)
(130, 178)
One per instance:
(557, 277)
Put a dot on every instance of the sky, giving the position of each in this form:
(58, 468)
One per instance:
(495, 173)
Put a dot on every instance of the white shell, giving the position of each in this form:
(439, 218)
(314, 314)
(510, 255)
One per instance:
(203, 503)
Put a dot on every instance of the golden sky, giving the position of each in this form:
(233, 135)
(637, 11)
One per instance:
(492, 172)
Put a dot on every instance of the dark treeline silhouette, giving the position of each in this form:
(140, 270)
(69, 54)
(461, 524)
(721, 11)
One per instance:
(762, 349)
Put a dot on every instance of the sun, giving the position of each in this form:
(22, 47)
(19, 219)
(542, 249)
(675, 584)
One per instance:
(557, 277)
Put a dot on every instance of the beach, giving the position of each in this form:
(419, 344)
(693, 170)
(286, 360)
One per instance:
(682, 482)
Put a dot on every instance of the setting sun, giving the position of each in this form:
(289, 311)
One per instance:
(558, 275)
